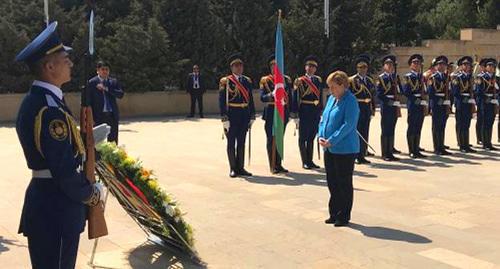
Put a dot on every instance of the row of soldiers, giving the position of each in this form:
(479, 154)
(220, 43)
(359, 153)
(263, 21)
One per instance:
(431, 92)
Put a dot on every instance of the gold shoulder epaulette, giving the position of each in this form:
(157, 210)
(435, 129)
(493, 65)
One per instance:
(263, 81)
(222, 83)
(319, 78)
(288, 79)
(248, 78)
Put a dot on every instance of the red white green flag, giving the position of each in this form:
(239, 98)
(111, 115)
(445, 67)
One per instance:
(279, 93)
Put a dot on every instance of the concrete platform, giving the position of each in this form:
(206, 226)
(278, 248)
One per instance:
(440, 212)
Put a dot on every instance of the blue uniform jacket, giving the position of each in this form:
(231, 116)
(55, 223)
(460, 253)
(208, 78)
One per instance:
(266, 86)
(51, 141)
(338, 124)
(232, 103)
(414, 90)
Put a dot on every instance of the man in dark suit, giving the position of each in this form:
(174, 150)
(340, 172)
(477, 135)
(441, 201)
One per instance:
(196, 88)
(103, 93)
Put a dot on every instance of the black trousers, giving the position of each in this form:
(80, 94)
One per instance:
(339, 169)
(196, 98)
(49, 250)
(110, 120)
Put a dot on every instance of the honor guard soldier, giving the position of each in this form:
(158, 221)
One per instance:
(363, 88)
(238, 113)
(267, 97)
(56, 200)
(498, 98)
(388, 91)
(307, 106)
(486, 90)
(439, 96)
(479, 120)
(465, 103)
(415, 91)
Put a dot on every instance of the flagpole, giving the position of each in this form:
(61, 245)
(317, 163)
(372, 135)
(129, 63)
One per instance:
(46, 11)
(273, 148)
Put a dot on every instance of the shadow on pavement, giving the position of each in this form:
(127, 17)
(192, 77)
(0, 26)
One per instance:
(421, 163)
(4, 243)
(149, 255)
(396, 166)
(390, 234)
(290, 179)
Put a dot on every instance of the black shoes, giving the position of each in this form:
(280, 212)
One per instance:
(233, 174)
(362, 160)
(190, 116)
(341, 223)
(313, 165)
(244, 173)
(330, 221)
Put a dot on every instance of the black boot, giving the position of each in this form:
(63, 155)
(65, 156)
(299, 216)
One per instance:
(303, 155)
(443, 147)
(435, 143)
(467, 141)
(417, 147)
(240, 157)
(310, 153)
(383, 148)
(272, 168)
(487, 134)
(390, 148)
(479, 136)
(232, 163)
(411, 143)
(461, 141)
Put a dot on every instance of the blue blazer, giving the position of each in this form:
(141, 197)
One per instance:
(339, 122)
(97, 97)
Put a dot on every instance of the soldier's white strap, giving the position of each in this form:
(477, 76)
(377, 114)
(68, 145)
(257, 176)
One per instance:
(41, 173)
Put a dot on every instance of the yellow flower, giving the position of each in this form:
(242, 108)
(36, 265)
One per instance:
(153, 185)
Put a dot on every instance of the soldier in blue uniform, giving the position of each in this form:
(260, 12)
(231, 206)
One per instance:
(58, 196)
(486, 90)
(388, 91)
(415, 91)
(307, 106)
(439, 96)
(238, 113)
(498, 98)
(363, 87)
(465, 104)
(479, 120)
(267, 97)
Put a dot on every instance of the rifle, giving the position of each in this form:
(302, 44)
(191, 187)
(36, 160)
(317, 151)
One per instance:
(96, 222)
(473, 108)
(397, 96)
(423, 93)
(447, 93)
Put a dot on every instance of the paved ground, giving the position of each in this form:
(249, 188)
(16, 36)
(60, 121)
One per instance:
(442, 212)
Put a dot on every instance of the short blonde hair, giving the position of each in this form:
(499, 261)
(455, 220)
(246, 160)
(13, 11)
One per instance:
(339, 77)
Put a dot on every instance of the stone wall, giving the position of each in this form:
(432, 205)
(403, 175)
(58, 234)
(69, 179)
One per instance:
(477, 43)
(175, 103)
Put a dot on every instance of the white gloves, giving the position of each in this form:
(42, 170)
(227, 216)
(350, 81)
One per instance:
(102, 190)
(424, 103)
(447, 103)
(297, 121)
(472, 101)
(101, 133)
(226, 124)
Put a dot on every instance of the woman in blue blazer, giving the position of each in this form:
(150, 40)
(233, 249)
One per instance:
(338, 136)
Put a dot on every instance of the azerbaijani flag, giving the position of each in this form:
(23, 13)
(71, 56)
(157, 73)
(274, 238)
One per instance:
(279, 92)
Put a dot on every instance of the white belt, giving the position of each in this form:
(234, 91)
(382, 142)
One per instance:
(389, 96)
(417, 95)
(440, 94)
(465, 94)
(41, 173)
(489, 94)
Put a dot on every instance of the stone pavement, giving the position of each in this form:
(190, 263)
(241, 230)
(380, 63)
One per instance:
(440, 212)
